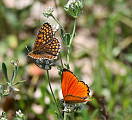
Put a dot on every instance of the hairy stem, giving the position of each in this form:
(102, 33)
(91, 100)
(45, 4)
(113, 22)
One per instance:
(68, 116)
(57, 22)
(71, 39)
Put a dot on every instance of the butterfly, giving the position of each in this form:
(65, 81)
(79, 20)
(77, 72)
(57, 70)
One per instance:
(73, 90)
(46, 45)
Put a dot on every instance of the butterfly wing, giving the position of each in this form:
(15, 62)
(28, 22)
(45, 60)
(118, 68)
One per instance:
(74, 99)
(41, 56)
(44, 36)
(73, 90)
(52, 48)
(46, 45)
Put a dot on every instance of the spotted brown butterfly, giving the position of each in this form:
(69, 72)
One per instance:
(46, 47)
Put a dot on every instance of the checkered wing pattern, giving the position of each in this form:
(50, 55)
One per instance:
(44, 36)
(53, 47)
(46, 45)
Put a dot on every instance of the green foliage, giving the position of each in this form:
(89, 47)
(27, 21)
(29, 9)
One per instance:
(5, 71)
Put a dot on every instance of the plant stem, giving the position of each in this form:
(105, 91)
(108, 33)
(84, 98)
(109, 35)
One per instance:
(73, 32)
(57, 22)
(53, 95)
(71, 39)
(65, 116)
(68, 116)
(61, 61)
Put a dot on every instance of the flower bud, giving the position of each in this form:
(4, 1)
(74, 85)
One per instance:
(73, 7)
(48, 12)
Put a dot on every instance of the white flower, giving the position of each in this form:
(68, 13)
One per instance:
(73, 7)
(19, 114)
(48, 12)
(70, 2)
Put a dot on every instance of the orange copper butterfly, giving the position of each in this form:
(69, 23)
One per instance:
(46, 47)
(73, 90)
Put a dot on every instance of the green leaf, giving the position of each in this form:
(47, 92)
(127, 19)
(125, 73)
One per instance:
(4, 69)
(14, 74)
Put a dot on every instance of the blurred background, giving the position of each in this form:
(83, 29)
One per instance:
(101, 56)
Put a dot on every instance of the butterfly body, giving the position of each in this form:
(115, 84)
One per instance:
(73, 90)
